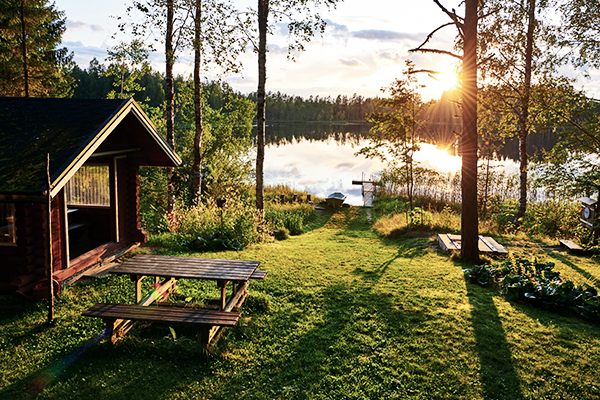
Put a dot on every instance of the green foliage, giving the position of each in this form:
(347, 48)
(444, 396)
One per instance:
(397, 126)
(234, 226)
(291, 217)
(538, 284)
(45, 65)
(227, 168)
(282, 234)
(555, 219)
(128, 63)
(283, 107)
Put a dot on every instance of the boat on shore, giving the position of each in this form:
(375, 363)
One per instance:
(335, 199)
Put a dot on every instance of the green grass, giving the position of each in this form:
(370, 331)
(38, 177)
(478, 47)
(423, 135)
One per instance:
(342, 314)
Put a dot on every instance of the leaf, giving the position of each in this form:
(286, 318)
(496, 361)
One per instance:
(173, 333)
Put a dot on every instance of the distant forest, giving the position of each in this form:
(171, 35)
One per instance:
(93, 82)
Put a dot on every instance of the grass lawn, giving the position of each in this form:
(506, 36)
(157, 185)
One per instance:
(342, 314)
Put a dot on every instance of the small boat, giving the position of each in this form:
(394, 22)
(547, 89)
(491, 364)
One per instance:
(335, 199)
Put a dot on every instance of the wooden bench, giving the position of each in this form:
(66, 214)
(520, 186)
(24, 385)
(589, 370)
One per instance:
(206, 319)
(257, 274)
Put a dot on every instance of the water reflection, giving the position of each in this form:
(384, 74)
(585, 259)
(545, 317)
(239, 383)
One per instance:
(320, 159)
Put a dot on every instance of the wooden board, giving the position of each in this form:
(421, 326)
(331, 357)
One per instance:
(569, 244)
(449, 242)
(163, 314)
(187, 267)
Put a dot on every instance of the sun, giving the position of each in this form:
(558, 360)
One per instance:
(445, 79)
(432, 156)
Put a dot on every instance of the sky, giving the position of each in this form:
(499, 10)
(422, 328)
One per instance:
(363, 49)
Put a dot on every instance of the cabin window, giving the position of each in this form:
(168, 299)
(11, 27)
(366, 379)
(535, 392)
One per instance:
(89, 186)
(7, 224)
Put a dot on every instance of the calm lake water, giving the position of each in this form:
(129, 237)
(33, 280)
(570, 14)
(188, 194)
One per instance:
(320, 159)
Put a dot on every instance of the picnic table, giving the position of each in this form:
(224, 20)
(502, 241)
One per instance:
(121, 317)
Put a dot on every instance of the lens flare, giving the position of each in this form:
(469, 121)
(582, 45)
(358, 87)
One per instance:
(55, 370)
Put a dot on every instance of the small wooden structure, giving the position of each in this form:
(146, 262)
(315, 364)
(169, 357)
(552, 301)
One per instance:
(571, 245)
(588, 212)
(449, 243)
(96, 148)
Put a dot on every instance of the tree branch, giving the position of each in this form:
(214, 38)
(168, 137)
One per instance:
(455, 18)
(433, 32)
(436, 51)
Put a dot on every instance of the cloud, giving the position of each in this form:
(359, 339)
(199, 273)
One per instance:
(336, 29)
(352, 63)
(386, 36)
(345, 165)
(73, 25)
(391, 56)
(84, 54)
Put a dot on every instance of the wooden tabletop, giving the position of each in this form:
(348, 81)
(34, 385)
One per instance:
(187, 267)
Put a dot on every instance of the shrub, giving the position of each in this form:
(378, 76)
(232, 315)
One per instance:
(207, 227)
(282, 234)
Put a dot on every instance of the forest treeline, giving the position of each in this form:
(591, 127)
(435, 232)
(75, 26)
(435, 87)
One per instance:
(94, 82)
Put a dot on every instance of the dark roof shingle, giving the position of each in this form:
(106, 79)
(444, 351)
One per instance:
(30, 128)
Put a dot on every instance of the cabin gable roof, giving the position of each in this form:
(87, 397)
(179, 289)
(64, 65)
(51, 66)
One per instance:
(70, 130)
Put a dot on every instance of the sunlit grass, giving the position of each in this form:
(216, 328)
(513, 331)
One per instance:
(344, 313)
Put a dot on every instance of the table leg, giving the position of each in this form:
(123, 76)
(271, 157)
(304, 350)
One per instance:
(223, 286)
(138, 288)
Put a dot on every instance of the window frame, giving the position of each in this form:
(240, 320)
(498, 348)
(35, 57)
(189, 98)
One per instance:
(8, 212)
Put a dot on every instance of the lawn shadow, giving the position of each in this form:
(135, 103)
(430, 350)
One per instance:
(498, 375)
(410, 249)
(351, 327)
(151, 369)
(592, 280)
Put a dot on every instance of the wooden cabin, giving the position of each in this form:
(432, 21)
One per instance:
(96, 147)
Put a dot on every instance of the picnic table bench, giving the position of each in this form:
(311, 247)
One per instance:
(121, 317)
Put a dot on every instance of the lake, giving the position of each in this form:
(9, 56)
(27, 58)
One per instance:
(320, 159)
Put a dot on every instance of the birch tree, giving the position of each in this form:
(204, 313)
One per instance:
(303, 21)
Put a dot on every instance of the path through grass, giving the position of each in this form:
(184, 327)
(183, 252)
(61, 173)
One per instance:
(342, 314)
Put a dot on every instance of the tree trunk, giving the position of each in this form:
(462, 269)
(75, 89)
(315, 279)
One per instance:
(197, 168)
(524, 116)
(170, 97)
(169, 61)
(263, 14)
(469, 227)
(24, 49)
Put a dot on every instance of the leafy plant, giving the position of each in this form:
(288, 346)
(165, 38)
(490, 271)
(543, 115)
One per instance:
(538, 284)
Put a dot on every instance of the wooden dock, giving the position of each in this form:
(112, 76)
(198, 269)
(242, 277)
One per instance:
(450, 243)
(368, 194)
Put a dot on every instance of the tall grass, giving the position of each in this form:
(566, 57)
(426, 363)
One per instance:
(238, 224)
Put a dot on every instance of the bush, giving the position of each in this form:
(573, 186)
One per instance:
(282, 234)
(209, 228)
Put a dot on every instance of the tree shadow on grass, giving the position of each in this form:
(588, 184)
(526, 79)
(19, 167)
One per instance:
(592, 280)
(148, 369)
(344, 352)
(498, 375)
(406, 249)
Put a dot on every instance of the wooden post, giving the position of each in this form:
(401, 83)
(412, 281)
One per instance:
(49, 243)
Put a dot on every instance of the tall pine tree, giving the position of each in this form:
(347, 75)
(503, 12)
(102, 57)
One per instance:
(32, 63)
